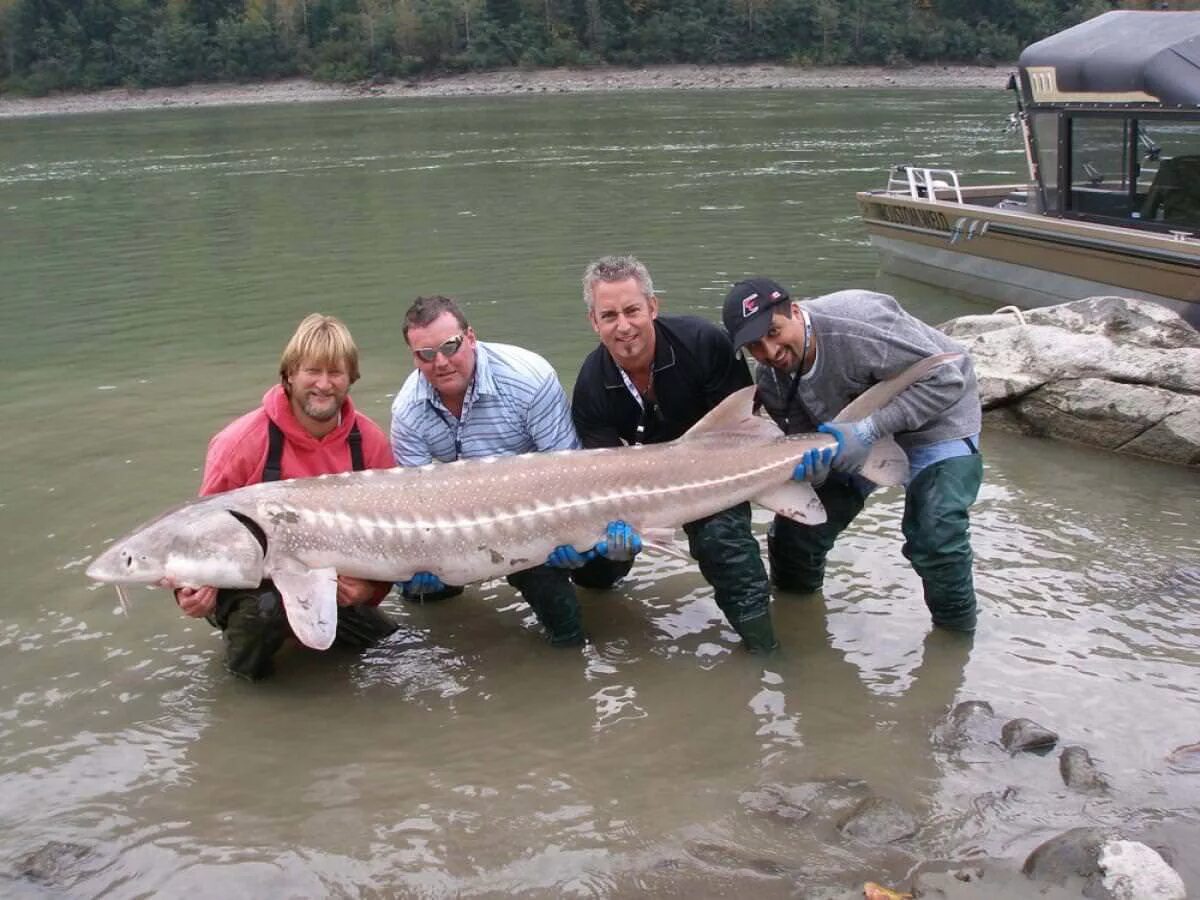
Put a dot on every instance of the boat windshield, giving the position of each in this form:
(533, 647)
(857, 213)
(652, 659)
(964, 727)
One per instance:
(1119, 167)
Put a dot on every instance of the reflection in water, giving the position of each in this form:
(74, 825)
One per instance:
(148, 259)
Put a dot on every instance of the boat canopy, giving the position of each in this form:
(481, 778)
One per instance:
(1124, 56)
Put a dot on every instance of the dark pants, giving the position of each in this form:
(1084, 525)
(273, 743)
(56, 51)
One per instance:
(551, 596)
(730, 560)
(936, 532)
(548, 592)
(255, 626)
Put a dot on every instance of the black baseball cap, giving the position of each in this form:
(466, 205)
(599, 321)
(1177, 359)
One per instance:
(748, 309)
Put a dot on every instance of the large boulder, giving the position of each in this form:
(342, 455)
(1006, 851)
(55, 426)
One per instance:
(1112, 372)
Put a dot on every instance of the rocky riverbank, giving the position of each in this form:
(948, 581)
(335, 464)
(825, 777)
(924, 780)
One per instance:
(1110, 372)
(513, 81)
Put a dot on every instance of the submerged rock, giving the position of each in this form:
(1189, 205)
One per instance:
(1074, 853)
(878, 820)
(821, 799)
(724, 856)
(1185, 758)
(1021, 735)
(55, 862)
(971, 720)
(1112, 372)
(1133, 871)
(1079, 771)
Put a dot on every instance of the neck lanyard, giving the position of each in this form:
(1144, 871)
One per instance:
(645, 402)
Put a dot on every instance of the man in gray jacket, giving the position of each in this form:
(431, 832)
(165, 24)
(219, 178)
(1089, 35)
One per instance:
(814, 358)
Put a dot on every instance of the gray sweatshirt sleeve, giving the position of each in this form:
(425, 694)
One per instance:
(883, 340)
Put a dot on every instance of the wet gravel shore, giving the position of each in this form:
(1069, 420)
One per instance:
(513, 81)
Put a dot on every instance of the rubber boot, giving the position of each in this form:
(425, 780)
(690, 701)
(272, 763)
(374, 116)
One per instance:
(254, 627)
(937, 538)
(758, 634)
(551, 595)
(358, 627)
(797, 552)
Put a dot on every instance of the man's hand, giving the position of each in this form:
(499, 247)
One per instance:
(355, 591)
(854, 442)
(814, 466)
(422, 583)
(621, 543)
(196, 602)
(564, 556)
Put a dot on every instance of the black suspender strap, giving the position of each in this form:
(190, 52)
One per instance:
(273, 470)
(971, 446)
(354, 439)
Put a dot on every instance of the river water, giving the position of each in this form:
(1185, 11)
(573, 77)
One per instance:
(152, 265)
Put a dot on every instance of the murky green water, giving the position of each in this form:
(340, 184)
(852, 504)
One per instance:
(152, 266)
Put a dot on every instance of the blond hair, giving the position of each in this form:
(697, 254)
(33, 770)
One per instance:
(323, 340)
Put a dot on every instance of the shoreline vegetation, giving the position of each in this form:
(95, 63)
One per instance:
(513, 82)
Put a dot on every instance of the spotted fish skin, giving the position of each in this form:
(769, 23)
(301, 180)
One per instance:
(471, 520)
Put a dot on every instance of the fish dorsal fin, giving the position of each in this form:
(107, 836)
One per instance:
(734, 415)
(795, 500)
(886, 464)
(878, 395)
(310, 601)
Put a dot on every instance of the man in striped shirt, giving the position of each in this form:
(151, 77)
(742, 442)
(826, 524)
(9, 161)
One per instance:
(469, 398)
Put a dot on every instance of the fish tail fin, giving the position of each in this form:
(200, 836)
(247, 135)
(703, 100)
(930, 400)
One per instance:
(735, 415)
(886, 464)
(795, 500)
(879, 395)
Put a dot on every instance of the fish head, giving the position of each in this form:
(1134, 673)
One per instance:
(197, 544)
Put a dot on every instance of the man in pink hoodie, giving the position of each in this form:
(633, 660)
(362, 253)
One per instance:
(306, 426)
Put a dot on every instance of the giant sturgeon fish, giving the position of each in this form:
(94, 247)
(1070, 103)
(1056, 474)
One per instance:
(476, 519)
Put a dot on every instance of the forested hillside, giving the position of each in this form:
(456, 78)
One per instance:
(49, 45)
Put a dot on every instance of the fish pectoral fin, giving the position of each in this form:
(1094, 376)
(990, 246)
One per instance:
(795, 500)
(662, 540)
(886, 464)
(310, 601)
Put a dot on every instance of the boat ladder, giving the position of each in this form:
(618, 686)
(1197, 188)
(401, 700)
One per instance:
(923, 184)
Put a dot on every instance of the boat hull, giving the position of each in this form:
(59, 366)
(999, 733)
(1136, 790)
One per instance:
(1022, 258)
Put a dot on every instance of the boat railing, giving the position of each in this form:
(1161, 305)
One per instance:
(922, 183)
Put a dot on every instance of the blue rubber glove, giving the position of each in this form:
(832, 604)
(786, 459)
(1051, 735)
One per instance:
(854, 442)
(621, 543)
(814, 466)
(422, 583)
(564, 556)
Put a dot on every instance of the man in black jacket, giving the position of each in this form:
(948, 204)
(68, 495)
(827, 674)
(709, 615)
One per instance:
(650, 380)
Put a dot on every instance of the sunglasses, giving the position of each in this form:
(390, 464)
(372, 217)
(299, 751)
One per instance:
(447, 348)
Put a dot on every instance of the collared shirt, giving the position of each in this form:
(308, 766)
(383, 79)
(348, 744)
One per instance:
(514, 404)
(694, 369)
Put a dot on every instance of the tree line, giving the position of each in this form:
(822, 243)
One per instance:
(48, 45)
